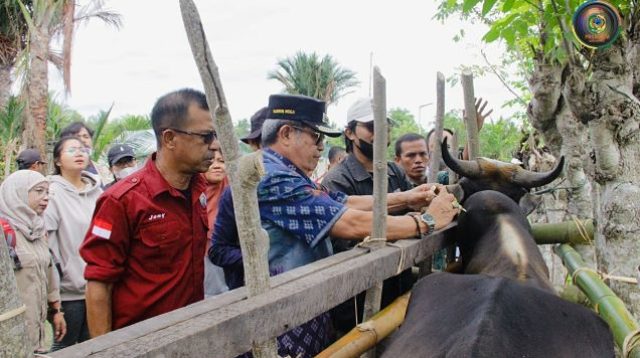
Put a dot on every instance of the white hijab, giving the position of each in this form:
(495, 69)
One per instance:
(14, 203)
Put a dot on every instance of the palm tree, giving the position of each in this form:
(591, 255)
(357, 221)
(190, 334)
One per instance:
(310, 75)
(47, 19)
(13, 30)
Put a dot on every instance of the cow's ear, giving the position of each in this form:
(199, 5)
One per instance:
(529, 202)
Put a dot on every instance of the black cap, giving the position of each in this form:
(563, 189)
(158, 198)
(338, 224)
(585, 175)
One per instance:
(307, 110)
(257, 120)
(28, 157)
(119, 151)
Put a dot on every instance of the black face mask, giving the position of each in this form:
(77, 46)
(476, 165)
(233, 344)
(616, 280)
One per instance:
(366, 148)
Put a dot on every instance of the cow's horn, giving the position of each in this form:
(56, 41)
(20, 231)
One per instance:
(465, 168)
(529, 179)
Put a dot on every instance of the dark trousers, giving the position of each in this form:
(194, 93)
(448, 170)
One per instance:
(75, 313)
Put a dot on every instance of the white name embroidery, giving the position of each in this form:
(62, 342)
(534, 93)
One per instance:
(154, 217)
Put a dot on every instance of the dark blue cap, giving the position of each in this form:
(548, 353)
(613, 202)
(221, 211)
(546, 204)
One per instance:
(307, 110)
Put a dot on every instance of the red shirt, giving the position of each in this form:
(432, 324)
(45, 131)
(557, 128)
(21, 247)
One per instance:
(149, 241)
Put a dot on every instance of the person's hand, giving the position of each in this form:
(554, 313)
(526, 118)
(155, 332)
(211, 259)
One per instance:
(421, 196)
(443, 208)
(59, 326)
(480, 116)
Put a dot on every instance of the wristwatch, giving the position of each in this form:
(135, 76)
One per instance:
(430, 221)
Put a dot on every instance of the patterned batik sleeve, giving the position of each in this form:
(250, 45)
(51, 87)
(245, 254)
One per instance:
(297, 206)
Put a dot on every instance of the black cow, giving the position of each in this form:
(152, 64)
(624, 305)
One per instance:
(503, 305)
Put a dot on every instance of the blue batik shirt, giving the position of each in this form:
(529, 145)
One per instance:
(296, 214)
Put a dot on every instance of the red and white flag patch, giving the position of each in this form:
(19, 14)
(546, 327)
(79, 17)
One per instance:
(101, 229)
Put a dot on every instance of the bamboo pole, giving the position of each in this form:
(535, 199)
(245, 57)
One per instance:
(244, 172)
(436, 154)
(568, 232)
(380, 182)
(366, 335)
(608, 305)
(470, 120)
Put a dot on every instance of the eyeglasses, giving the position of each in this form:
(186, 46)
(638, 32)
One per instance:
(207, 137)
(317, 136)
(76, 150)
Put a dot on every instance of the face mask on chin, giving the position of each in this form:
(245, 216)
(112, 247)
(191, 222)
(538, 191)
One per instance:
(125, 172)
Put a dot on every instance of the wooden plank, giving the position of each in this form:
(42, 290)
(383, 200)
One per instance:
(169, 319)
(229, 330)
(435, 155)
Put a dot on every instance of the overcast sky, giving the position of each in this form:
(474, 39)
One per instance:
(150, 55)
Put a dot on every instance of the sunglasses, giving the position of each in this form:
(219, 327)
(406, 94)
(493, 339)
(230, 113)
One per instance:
(318, 137)
(207, 137)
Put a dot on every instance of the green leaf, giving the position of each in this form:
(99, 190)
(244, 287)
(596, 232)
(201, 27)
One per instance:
(491, 35)
(469, 4)
(486, 7)
(508, 4)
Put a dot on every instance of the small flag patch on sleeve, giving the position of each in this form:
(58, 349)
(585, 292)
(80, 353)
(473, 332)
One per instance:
(101, 229)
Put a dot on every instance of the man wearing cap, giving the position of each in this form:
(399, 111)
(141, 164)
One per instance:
(253, 138)
(30, 159)
(122, 162)
(299, 216)
(354, 176)
(145, 247)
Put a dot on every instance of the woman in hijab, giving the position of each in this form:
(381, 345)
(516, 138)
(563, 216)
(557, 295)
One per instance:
(24, 195)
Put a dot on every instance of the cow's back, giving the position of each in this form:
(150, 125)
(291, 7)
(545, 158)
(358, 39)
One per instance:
(452, 315)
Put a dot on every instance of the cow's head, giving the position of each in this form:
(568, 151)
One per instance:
(488, 174)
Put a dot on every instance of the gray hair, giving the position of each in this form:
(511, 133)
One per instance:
(270, 130)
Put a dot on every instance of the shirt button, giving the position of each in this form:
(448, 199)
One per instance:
(134, 180)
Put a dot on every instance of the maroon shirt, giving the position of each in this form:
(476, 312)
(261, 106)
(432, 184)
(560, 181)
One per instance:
(149, 241)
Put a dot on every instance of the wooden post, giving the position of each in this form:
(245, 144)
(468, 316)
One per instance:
(13, 334)
(435, 155)
(380, 182)
(453, 176)
(470, 120)
(244, 173)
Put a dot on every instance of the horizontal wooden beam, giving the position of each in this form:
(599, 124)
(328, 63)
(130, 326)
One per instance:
(226, 325)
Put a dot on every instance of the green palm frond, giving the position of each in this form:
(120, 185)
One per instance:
(310, 75)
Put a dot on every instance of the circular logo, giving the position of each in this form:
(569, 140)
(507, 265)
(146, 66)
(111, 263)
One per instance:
(596, 24)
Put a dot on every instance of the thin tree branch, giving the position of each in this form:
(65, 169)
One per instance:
(504, 82)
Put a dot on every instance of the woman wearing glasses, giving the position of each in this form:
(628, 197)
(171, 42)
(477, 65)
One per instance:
(24, 196)
(74, 195)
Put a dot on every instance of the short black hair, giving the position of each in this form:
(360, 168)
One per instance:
(334, 151)
(409, 137)
(74, 128)
(170, 110)
(57, 151)
(348, 143)
(433, 130)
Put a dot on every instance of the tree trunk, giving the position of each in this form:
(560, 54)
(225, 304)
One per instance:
(13, 334)
(605, 101)
(5, 85)
(35, 118)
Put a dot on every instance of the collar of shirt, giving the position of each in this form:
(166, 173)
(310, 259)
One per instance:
(278, 159)
(358, 171)
(157, 184)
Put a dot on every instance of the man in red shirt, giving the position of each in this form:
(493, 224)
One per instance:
(145, 247)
